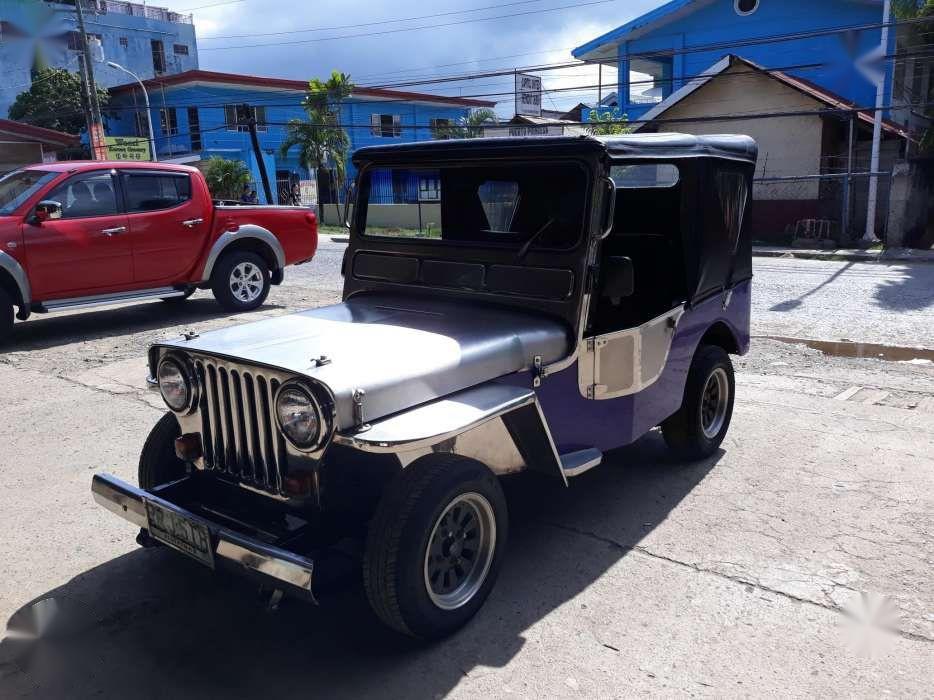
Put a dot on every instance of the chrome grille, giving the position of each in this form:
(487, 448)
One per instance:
(238, 424)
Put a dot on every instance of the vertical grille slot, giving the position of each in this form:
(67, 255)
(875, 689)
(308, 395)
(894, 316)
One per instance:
(238, 425)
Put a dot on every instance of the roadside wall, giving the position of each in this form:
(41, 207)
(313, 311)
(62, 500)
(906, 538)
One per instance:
(389, 215)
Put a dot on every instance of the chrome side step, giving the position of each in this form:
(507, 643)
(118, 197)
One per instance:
(106, 299)
(576, 463)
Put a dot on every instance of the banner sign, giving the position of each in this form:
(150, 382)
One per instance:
(127, 148)
(528, 94)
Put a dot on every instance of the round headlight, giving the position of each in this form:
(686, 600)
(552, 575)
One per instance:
(298, 417)
(174, 385)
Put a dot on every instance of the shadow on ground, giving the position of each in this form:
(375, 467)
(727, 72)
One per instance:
(42, 332)
(792, 304)
(913, 292)
(151, 623)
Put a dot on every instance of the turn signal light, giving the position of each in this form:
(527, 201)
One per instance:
(188, 447)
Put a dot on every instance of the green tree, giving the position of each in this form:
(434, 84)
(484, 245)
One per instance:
(321, 140)
(609, 123)
(226, 177)
(468, 127)
(917, 39)
(54, 101)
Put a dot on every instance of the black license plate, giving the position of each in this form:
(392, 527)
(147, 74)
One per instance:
(180, 533)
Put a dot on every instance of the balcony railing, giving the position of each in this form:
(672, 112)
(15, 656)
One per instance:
(139, 10)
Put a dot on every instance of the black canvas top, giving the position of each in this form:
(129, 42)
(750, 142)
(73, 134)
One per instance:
(663, 145)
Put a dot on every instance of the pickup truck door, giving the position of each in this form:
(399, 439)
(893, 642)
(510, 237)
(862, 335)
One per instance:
(168, 222)
(86, 251)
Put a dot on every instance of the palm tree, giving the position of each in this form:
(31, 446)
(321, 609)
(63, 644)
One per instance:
(474, 123)
(321, 140)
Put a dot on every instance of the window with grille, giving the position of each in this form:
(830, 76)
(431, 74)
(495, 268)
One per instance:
(194, 128)
(158, 56)
(386, 125)
(168, 121)
(124, 43)
(237, 116)
(180, 49)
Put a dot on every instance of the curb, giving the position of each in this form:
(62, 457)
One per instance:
(846, 255)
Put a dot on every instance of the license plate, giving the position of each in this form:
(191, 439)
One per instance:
(180, 533)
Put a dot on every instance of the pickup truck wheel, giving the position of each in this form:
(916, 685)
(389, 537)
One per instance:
(435, 545)
(157, 462)
(240, 281)
(697, 429)
(6, 316)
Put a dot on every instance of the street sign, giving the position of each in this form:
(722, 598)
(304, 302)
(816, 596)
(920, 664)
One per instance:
(528, 94)
(127, 148)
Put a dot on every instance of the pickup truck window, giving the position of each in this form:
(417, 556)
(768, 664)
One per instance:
(154, 191)
(20, 185)
(90, 194)
(497, 204)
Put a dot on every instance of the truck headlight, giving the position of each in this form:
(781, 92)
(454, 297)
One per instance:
(298, 416)
(174, 384)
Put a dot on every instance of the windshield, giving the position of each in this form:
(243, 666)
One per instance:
(498, 204)
(20, 185)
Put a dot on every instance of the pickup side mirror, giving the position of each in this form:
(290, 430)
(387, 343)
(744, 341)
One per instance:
(47, 210)
(617, 278)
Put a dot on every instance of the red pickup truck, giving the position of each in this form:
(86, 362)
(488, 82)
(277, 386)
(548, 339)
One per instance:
(78, 234)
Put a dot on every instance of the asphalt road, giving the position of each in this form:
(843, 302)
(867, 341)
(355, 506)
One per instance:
(796, 562)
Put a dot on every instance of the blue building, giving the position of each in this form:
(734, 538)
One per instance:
(198, 114)
(684, 38)
(150, 41)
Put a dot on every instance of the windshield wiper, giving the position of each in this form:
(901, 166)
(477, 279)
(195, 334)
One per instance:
(528, 244)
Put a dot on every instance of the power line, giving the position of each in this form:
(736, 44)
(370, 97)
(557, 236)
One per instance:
(410, 29)
(371, 24)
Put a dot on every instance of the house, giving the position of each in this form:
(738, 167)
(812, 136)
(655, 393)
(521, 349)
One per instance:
(198, 114)
(549, 124)
(22, 144)
(657, 53)
(812, 137)
(150, 41)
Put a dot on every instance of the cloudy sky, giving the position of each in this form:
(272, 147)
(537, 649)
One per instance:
(293, 39)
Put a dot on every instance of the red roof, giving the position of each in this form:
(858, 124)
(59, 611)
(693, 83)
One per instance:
(207, 76)
(28, 132)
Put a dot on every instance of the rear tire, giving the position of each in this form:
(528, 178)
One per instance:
(241, 281)
(6, 316)
(157, 462)
(697, 429)
(435, 545)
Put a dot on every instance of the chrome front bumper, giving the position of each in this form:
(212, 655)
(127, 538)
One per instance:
(276, 564)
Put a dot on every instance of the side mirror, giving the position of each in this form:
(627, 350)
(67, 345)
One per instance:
(47, 210)
(617, 278)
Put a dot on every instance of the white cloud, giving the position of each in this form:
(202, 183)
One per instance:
(530, 39)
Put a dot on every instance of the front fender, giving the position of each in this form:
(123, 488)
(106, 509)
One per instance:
(247, 231)
(499, 425)
(11, 266)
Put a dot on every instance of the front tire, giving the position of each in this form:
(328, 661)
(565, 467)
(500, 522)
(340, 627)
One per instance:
(241, 281)
(435, 545)
(700, 425)
(158, 463)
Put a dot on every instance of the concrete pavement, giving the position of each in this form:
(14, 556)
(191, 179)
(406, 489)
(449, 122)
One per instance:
(743, 575)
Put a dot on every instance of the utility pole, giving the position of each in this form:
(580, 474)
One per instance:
(870, 235)
(96, 126)
(251, 124)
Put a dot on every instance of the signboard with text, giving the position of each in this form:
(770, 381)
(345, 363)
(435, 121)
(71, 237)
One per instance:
(127, 148)
(528, 94)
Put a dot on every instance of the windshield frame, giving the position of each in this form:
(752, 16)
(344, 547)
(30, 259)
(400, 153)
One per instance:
(47, 178)
(362, 191)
